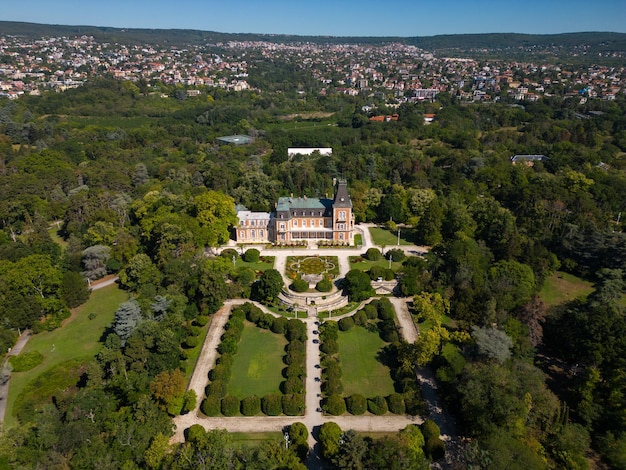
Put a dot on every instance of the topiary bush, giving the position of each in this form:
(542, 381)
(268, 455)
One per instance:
(228, 253)
(253, 313)
(346, 323)
(251, 256)
(271, 404)
(211, 405)
(435, 448)
(413, 403)
(217, 388)
(370, 311)
(375, 272)
(230, 405)
(430, 429)
(293, 405)
(334, 405)
(220, 372)
(377, 405)
(251, 406)
(332, 386)
(373, 254)
(324, 286)
(279, 325)
(294, 370)
(201, 320)
(396, 254)
(356, 404)
(329, 346)
(385, 309)
(395, 403)
(299, 285)
(191, 342)
(292, 385)
(265, 321)
(360, 318)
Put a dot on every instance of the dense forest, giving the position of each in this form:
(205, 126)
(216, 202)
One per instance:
(132, 176)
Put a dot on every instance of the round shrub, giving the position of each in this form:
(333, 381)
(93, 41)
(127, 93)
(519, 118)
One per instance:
(299, 285)
(377, 405)
(294, 370)
(332, 386)
(227, 346)
(217, 388)
(334, 405)
(201, 320)
(324, 286)
(228, 253)
(220, 372)
(271, 404)
(435, 448)
(254, 314)
(211, 405)
(279, 325)
(395, 403)
(293, 405)
(251, 256)
(375, 272)
(370, 311)
(329, 346)
(296, 345)
(265, 321)
(26, 361)
(191, 311)
(356, 404)
(360, 318)
(396, 254)
(389, 275)
(294, 357)
(430, 429)
(230, 405)
(296, 330)
(292, 385)
(346, 323)
(329, 330)
(226, 360)
(413, 403)
(251, 406)
(191, 342)
(385, 309)
(373, 254)
(332, 368)
(390, 336)
(245, 276)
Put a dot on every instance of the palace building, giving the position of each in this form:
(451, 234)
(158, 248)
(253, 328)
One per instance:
(302, 218)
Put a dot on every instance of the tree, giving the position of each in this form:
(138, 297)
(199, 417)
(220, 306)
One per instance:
(168, 389)
(357, 286)
(269, 285)
(74, 290)
(329, 436)
(493, 343)
(94, 260)
(140, 272)
(216, 215)
(352, 451)
(127, 318)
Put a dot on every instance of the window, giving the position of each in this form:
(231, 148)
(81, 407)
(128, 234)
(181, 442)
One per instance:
(242, 234)
(282, 226)
(295, 223)
(304, 223)
(261, 233)
(342, 215)
(242, 223)
(253, 234)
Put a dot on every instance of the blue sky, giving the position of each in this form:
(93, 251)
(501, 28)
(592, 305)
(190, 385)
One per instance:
(328, 17)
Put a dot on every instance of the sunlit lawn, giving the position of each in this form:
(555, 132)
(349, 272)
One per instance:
(361, 371)
(265, 263)
(563, 287)
(258, 363)
(382, 236)
(78, 339)
(358, 262)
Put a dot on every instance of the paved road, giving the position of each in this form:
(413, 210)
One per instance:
(5, 373)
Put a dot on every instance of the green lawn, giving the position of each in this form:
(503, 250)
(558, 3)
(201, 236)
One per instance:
(258, 363)
(358, 262)
(265, 263)
(563, 287)
(382, 236)
(312, 265)
(362, 372)
(255, 438)
(78, 339)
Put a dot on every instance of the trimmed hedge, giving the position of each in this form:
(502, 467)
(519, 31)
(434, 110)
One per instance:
(373, 254)
(217, 388)
(377, 405)
(230, 405)
(292, 385)
(211, 405)
(346, 323)
(271, 404)
(356, 404)
(299, 285)
(334, 405)
(251, 406)
(395, 403)
(252, 255)
(293, 405)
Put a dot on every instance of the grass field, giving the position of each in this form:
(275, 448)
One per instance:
(563, 287)
(255, 438)
(382, 236)
(78, 339)
(358, 262)
(258, 363)
(265, 263)
(362, 372)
